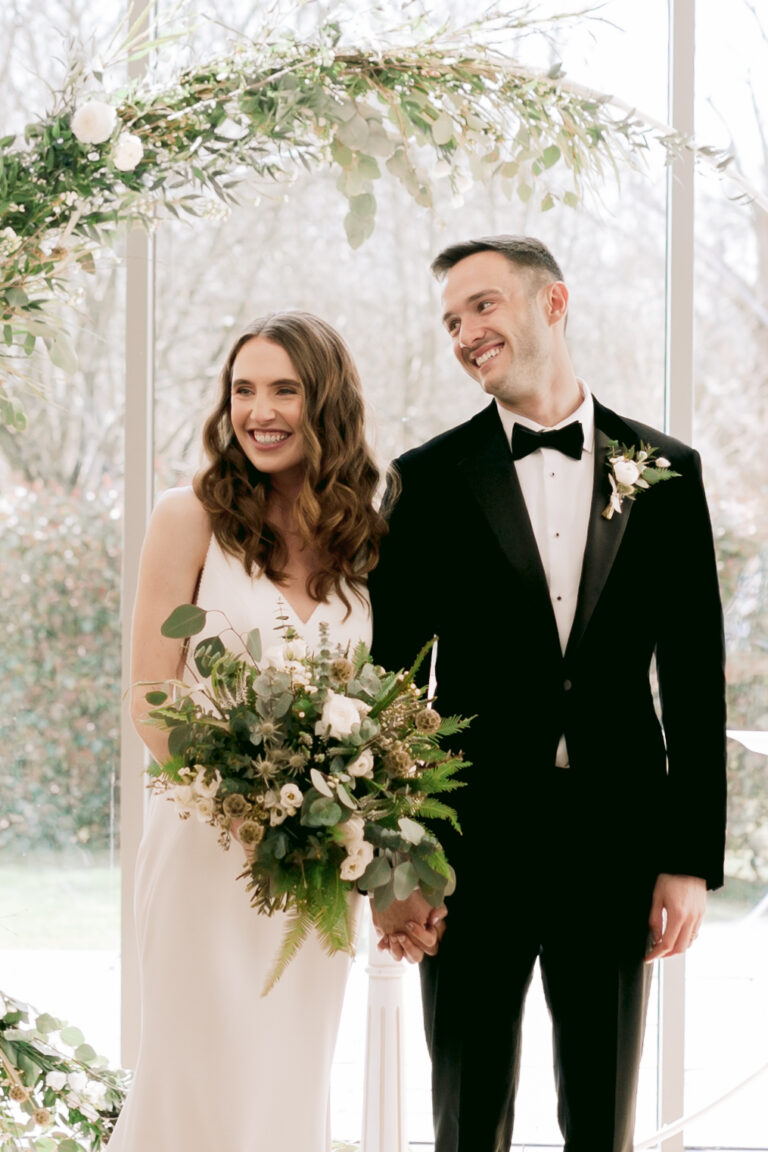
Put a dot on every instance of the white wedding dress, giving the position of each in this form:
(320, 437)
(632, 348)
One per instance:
(221, 1068)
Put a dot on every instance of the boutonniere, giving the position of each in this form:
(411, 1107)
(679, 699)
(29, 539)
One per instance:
(631, 470)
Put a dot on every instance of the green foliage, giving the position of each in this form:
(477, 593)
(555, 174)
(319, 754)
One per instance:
(56, 1093)
(320, 761)
(59, 666)
(185, 620)
(449, 105)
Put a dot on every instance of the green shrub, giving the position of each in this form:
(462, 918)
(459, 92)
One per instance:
(60, 557)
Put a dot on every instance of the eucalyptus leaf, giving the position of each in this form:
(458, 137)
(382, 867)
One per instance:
(320, 783)
(156, 698)
(405, 879)
(383, 896)
(550, 155)
(346, 799)
(358, 228)
(186, 620)
(62, 354)
(72, 1036)
(354, 133)
(378, 872)
(47, 1023)
(412, 832)
(321, 813)
(443, 129)
(253, 644)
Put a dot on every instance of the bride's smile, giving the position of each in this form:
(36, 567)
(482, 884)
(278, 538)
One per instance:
(267, 399)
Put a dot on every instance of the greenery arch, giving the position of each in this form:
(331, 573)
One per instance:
(449, 106)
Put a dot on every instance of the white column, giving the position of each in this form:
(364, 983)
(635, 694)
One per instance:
(679, 422)
(139, 305)
(384, 1103)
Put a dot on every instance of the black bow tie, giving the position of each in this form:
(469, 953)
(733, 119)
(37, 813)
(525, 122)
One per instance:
(569, 440)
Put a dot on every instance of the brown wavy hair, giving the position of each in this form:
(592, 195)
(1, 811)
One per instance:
(334, 509)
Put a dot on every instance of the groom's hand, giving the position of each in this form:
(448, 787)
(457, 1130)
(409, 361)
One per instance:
(677, 910)
(410, 929)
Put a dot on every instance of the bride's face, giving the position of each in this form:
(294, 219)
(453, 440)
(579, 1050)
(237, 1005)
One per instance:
(266, 401)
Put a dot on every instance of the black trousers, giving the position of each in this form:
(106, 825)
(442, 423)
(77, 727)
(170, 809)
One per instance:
(586, 923)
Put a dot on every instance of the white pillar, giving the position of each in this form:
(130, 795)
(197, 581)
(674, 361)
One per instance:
(384, 1123)
(139, 352)
(679, 422)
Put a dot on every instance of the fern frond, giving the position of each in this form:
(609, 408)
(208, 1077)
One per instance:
(299, 924)
(440, 779)
(452, 724)
(360, 656)
(431, 809)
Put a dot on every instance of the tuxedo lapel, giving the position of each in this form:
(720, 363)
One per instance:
(603, 540)
(490, 475)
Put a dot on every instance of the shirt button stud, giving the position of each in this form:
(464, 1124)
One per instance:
(567, 685)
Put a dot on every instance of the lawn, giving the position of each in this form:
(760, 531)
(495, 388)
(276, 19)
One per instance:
(52, 902)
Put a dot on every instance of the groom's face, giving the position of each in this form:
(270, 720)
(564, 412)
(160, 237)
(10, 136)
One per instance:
(497, 317)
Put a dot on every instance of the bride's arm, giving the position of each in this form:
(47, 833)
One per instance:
(171, 561)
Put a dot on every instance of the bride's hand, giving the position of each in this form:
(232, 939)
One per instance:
(410, 929)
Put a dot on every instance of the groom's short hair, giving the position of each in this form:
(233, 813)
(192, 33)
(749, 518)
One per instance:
(522, 251)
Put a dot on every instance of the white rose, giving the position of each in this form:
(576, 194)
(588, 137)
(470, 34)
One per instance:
(298, 672)
(340, 715)
(94, 122)
(77, 1081)
(352, 868)
(270, 798)
(204, 809)
(97, 1093)
(626, 472)
(291, 796)
(127, 152)
(184, 795)
(273, 657)
(56, 1080)
(295, 649)
(362, 765)
(277, 814)
(662, 462)
(363, 852)
(352, 833)
(210, 789)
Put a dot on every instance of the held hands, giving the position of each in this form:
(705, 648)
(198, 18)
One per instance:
(410, 928)
(676, 913)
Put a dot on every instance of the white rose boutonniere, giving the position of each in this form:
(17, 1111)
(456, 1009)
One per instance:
(631, 470)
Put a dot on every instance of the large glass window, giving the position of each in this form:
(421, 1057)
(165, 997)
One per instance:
(61, 486)
(727, 977)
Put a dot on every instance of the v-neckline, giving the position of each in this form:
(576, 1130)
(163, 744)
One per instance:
(282, 596)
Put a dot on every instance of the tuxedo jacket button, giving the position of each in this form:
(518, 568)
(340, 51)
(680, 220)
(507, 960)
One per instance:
(567, 685)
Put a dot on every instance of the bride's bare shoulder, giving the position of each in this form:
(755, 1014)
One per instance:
(180, 521)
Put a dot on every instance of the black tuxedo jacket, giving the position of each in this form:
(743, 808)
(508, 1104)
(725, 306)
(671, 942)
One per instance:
(461, 561)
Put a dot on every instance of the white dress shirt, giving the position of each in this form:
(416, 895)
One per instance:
(558, 495)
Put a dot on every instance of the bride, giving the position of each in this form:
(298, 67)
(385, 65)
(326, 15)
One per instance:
(280, 524)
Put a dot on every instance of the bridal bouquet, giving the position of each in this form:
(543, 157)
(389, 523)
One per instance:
(321, 763)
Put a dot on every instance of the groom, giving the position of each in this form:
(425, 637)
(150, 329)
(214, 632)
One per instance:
(591, 830)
